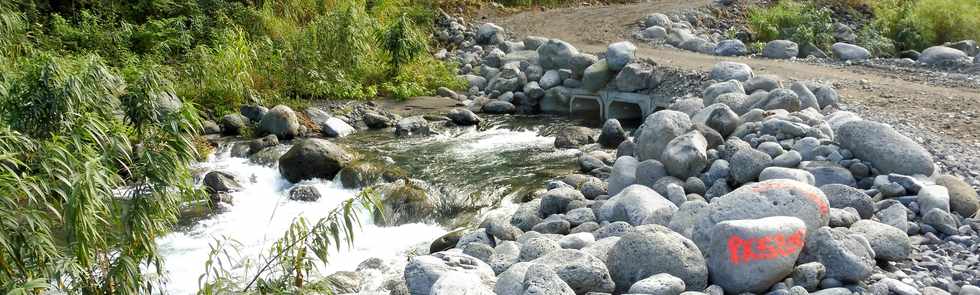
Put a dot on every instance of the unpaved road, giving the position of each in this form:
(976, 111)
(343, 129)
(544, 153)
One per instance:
(941, 116)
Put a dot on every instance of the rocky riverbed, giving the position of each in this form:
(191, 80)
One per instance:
(732, 183)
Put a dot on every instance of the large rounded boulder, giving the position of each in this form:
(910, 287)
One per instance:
(637, 205)
(580, 270)
(313, 158)
(654, 249)
(658, 130)
(281, 121)
(423, 272)
(752, 255)
(886, 149)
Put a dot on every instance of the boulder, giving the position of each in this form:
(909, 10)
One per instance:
(313, 158)
(848, 257)
(550, 79)
(633, 77)
(778, 99)
(595, 77)
(612, 134)
(686, 155)
(376, 121)
(889, 243)
(556, 201)
(253, 113)
(623, 174)
(658, 130)
(422, 272)
(962, 197)
(938, 55)
(807, 98)
(719, 117)
(731, 47)
(752, 255)
(747, 164)
(762, 82)
(233, 124)
(577, 241)
(463, 117)
(657, 19)
(727, 70)
(941, 221)
(574, 137)
(653, 249)
(659, 284)
(825, 172)
(654, 34)
(717, 89)
(781, 49)
(281, 121)
(414, 125)
(637, 205)
(221, 182)
(933, 196)
(845, 51)
(826, 96)
(556, 54)
(842, 196)
(808, 275)
(649, 171)
(786, 173)
(537, 247)
(489, 34)
(306, 193)
(581, 271)
(499, 107)
(619, 54)
(886, 149)
(579, 63)
(540, 279)
(778, 197)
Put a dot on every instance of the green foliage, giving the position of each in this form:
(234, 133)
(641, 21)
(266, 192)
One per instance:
(71, 135)
(940, 21)
(401, 42)
(290, 262)
(871, 38)
(791, 20)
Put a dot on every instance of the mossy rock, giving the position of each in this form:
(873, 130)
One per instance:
(447, 241)
(363, 173)
(405, 201)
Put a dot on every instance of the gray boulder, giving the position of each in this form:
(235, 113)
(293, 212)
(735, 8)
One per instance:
(762, 82)
(541, 280)
(657, 19)
(845, 51)
(731, 47)
(637, 205)
(537, 247)
(623, 174)
(499, 107)
(886, 149)
(577, 241)
(489, 34)
(933, 196)
(634, 76)
(581, 271)
(281, 121)
(595, 77)
(612, 134)
(747, 164)
(414, 125)
(686, 155)
(779, 99)
(653, 249)
(895, 215)
(556, 54)
(808, 275)
(422, 272)
(889, 243)
(717, 89)
(556, 201)
(579, 63)
(649, 171)
(938, 55)
(848, 257)
(941, 221)
(842, 196)
(719, 117)
(752, 255)
(807, 98)
(786, 173)
(376, 121)
(221, 182)
(451, 283)
(659, 284)
(313, 158)
(781, 49)
(727, 70)
(658, 130)
(233, 124)
(253, 113)
(550, 79)
(306, 193)
(654, 34)
(619, 54)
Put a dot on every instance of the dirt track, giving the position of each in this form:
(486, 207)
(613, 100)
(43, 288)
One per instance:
(940, 115)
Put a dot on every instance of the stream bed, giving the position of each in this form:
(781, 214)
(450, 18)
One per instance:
(505, 157)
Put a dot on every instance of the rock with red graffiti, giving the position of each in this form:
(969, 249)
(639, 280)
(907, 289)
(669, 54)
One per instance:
(777, 197)
(752, 255)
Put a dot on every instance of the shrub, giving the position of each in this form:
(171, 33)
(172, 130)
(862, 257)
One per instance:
(940, 21)
(791, 20)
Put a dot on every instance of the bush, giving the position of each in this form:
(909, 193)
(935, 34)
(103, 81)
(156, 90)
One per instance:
(791, 20)
(940, 21)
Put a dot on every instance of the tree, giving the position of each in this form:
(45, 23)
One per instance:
(401, 42)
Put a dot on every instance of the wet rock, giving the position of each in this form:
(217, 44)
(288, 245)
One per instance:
(463, 117)
(415, 125)
(306, 193)
(556, 201)
(574, 137)
(423, 272)
(376, 121)
(889, 243)
(654, 249)
(499, 107)
(659, 284)
(281, 121)
(726, 70)
(446, 242)
(848, 257)
(313, 158)
(221, 182)
(526, 216)
(781, 49)
(886, 149)
(752, 255)
(612, 134)
(637, 205)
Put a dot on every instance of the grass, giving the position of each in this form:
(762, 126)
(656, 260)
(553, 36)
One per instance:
(799, 22)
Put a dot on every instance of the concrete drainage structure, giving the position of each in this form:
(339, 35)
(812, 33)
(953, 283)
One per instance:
(604, 104)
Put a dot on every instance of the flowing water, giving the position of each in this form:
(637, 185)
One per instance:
(505, 157)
